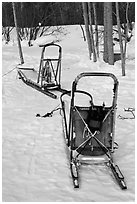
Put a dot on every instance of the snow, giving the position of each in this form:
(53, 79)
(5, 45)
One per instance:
(35, 163)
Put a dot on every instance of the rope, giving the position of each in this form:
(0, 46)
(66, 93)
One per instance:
(128, 110)
(10, 71)
(49, 114)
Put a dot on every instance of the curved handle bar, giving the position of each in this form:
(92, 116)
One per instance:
(84, 74)
(51, 44)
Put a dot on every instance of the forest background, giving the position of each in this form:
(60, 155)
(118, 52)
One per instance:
(30, 14)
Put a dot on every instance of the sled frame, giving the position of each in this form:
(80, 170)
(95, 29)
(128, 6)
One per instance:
(56, 72)
(76, 151)
(114, 101)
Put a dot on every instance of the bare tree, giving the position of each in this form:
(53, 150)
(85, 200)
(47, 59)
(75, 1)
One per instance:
(126, 29)
(96, 28)
(6, 30)
(86, 21)
(84, 37)
(105, 54)
(91, 32)
(6, 33)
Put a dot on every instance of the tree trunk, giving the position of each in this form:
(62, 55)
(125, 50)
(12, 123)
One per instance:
(108, 39)
(86, 21)
(91, 32)
(15, 21)
(120, 40)
(126, 30)
(110, 33)
(96, 28)
(105, 54)
(84, 37)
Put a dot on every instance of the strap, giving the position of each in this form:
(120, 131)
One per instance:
(49, 114)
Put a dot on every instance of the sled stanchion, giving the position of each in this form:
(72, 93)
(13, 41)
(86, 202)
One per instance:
(90, 131)
(64, 120)
(41, 64)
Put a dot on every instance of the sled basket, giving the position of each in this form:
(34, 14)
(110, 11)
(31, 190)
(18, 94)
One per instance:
(94, 118)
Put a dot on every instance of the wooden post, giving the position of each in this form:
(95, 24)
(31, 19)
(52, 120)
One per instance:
(16, 25)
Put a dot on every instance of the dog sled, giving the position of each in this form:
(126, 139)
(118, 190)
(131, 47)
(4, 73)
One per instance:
(89, 130)
(48, 78)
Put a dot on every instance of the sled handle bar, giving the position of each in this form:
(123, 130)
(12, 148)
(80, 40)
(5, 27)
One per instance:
(84, 74)
(51, 44)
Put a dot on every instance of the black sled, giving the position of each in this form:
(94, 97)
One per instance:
(48, 78)
(89, 131)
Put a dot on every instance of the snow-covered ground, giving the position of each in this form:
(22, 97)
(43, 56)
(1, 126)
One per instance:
(34, 162)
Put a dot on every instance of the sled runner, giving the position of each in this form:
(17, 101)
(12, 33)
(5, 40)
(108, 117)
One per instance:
(48, 77)
(89, 130)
